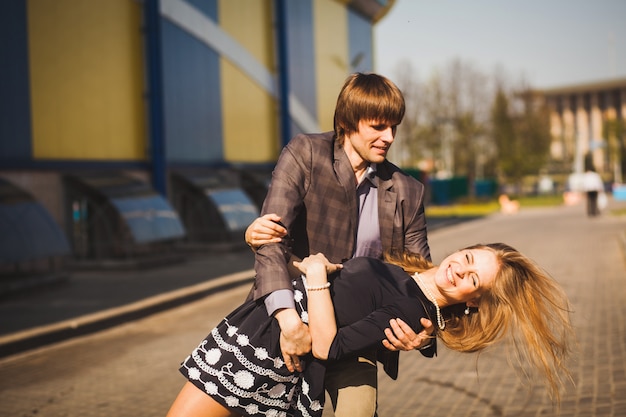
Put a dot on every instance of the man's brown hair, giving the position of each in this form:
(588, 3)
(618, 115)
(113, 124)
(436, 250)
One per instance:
(367, 97)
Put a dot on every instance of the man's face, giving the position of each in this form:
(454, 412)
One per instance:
(371, 142)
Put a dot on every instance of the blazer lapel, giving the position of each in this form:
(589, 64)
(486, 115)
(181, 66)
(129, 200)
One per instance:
(345, 176)
(386, 206)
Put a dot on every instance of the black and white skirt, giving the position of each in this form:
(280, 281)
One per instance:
(240, 365)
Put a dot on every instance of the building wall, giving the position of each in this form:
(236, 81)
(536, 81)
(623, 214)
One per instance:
(578, 115)
(191, 88)
(86, 80)
(300, 41)
(79, 84)
(332, 61)
(250, 111)
(15, 121)
(360, 43)
(82, 92)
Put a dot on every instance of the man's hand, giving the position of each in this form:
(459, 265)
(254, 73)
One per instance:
(295, 339)
(265, 229)
(402, 337)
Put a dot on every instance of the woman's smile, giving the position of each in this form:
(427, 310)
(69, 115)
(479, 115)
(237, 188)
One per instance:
(449, 275)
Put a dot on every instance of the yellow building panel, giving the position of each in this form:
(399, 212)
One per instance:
(250, 119)
(87, 82)
(250, 24)
(331, 56)
(249, 111)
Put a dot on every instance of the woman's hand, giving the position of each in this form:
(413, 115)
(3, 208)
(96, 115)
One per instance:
(263, 230)
(322, 325)
(316, 262)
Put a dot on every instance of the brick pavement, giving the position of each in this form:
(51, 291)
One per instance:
(130, 370)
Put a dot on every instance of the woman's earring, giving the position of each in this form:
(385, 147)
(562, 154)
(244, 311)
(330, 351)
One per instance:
(467, 311)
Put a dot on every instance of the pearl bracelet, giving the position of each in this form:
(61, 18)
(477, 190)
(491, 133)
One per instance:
(318, 287)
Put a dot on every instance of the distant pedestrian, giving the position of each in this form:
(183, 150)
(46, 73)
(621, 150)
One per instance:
(593, 186)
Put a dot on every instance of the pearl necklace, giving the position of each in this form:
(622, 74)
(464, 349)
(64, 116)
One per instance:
(440, 322)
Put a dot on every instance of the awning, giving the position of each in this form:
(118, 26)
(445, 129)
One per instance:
(148, 215)
(150, 218)
(236, 208)
(27, 230)
(218, 205)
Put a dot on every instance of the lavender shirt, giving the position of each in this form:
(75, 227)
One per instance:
(368, 241)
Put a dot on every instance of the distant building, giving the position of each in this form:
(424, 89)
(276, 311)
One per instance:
(579, 115)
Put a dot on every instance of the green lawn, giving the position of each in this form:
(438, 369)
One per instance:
(483, 208)
(472, 209)
(463, 210)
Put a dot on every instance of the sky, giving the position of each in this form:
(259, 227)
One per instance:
(547, 43)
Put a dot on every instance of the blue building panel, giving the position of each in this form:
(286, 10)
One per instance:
(192, 98)
(360, 42)
(301, 56)
(207, 7)
(15, 121)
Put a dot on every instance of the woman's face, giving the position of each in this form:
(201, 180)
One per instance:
(463, 276)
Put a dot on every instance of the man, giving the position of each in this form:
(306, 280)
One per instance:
(336, 193)
(593, 186)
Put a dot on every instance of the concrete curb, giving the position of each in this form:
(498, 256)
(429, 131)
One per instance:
(43, 335)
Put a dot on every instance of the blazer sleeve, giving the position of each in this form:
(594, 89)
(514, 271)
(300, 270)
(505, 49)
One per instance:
(285, 197)
(401, 211)
(415, 234)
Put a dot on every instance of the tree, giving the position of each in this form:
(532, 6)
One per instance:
(534, 132)
(460, 122)
(503, 133)
(405, 150)
(471, 149)
(522, 137)
(613, 130)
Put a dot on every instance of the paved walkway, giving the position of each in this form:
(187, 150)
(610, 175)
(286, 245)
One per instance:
(91, 300)
(130, 369)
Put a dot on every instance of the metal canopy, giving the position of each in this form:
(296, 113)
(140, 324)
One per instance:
(148, 216)
(27, 230)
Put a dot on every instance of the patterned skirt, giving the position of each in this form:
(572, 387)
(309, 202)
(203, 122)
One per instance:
(240, 365)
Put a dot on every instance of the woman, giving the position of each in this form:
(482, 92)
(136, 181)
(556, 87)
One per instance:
(475, 297)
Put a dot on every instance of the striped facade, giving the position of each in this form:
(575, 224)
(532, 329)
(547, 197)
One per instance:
(578, 118)
(150, 88)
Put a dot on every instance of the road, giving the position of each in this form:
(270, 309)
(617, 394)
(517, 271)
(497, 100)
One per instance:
(131, 369)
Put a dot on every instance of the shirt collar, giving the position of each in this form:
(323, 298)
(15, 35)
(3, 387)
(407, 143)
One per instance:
(370, 174)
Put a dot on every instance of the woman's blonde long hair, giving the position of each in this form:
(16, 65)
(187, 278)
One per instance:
(524, 302)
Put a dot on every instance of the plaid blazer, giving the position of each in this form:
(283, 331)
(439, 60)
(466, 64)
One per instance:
(313, 190)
